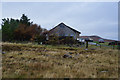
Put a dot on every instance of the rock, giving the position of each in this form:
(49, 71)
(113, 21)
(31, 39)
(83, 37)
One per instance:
(45, 50)
(104, 71)
(70, 56)
(92, 48)
(22, 58)
(33, 59)
(77, 45)
(47, 55)
(3, 52)
(19, 49)
(70, 45)
(11, 57)
(19, 53)
(59, 63)
(87, 56)
(77, 54)
(82, 52)
(70, 53)
(67, 56)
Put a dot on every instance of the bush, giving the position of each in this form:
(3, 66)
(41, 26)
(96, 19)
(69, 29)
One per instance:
(40, 38)
(53, 40)
(68, 40)
(61, 40)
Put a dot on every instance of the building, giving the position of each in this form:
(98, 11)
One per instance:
(64, 31)
(96, 38)
(83, 39)
(101, 40)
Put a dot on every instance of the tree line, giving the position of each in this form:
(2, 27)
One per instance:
(15, 30)
(21, 29)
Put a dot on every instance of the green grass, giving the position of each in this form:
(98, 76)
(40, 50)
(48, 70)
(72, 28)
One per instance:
(46, 61)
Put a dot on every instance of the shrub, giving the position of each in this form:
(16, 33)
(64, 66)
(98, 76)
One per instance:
(68, 40)
(40, 38)
(53, 40)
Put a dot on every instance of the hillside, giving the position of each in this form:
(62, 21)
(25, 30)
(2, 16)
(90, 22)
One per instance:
(96, 38)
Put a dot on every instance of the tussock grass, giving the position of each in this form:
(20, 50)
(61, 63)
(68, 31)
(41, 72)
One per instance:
(46, 61)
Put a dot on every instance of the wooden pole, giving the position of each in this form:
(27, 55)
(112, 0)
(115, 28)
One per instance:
(86, 44)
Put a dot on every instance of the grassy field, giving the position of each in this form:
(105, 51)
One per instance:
(46, 61)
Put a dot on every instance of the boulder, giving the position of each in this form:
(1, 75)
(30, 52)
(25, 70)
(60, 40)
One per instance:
(3, 52)
(93, 49)
(19, 53)
(22, 58)
(70, 53)
(67, 56)
(11, 57)
(86, 49)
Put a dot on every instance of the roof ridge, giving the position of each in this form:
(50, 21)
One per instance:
(68, 27)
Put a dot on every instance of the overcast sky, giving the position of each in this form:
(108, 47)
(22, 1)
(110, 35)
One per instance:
(90, 18)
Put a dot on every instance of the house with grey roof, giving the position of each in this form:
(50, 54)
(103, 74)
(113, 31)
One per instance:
(64, 31)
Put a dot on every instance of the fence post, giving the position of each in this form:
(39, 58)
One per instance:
(86, 44)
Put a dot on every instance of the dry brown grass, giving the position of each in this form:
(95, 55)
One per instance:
(40, 61)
